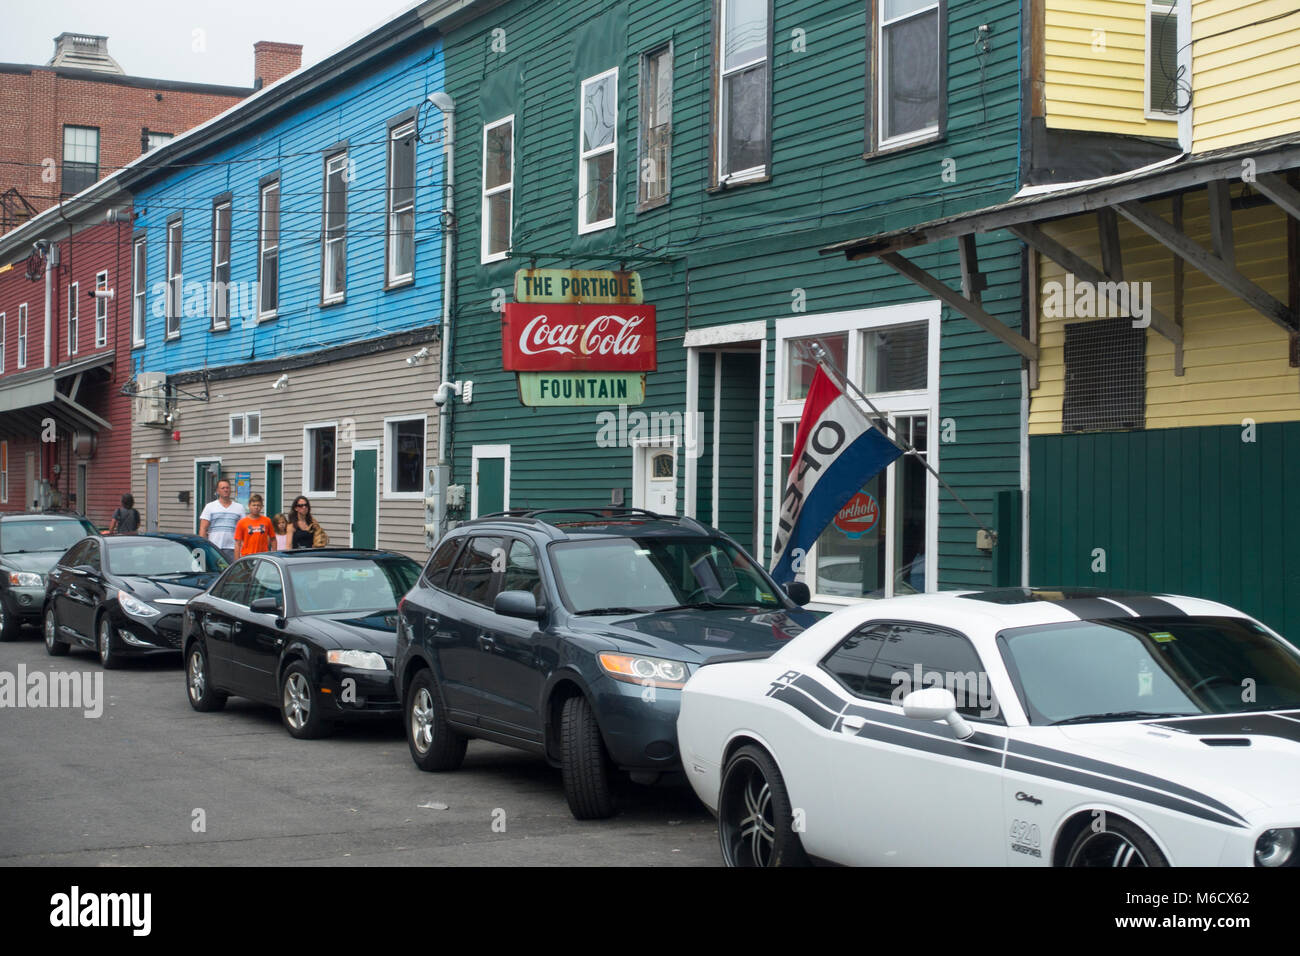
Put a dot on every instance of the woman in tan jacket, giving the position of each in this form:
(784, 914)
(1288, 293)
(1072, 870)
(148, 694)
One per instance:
(304, 531)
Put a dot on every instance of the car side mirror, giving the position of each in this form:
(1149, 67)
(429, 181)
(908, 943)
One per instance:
(265, 605)
(936, 703)
(517, 604)
(798, 592)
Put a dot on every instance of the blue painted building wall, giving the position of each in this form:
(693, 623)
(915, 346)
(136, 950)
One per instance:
(294, 144)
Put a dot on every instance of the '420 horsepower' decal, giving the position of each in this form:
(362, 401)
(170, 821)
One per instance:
(1025, 838)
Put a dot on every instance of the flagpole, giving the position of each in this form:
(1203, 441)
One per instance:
(822, 355)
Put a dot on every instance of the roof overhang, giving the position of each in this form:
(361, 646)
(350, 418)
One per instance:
(28, 399)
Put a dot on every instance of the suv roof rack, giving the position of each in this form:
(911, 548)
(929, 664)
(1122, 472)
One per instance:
(534, 515)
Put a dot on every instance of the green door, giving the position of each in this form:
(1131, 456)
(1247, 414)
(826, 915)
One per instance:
(274, 488)
(365, 491)
(491, 479)
(206, 474)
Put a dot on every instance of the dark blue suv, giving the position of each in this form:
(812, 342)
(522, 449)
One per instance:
(570, 634)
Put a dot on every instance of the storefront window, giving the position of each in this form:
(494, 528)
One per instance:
(895, 358)
(800, 364)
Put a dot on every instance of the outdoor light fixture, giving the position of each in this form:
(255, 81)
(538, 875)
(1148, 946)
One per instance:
(418, 357)
(463, 390)
(280, 383)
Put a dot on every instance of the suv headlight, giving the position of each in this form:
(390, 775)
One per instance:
(362, 660)
(136, 606)
(1275, 847)
(26, 579)
(648, 671)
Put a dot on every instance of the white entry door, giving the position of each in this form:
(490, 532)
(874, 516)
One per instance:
(656, 479)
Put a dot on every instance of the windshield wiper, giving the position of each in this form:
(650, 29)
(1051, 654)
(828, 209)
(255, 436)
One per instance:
(1118, 715)
(704, 606)
(613, 610)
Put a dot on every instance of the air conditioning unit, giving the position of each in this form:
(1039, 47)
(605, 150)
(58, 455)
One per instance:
(151, 398)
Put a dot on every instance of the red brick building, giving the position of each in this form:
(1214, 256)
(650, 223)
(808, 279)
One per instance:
(79, 117)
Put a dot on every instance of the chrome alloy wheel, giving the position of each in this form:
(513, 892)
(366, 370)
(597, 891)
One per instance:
(1107, 848)
(195, 676)
(105, 640)
(422, 720)
(748, 818)
(49, 630)
(297, 701)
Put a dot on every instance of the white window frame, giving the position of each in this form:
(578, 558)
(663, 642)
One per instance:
(249, 437)
(231, 437)
(307, 459)
(721, 73)
(484, 255)
(246, 437)
(399, 132)
(390, 448)
(1154, 9)
(916, 135)
(220, 303)
(488, 451)
(4, 340)
(329, 296)
(175, 280)
(101, 309)
(74, 317)
(264, 248)
(892, 404)
(22, 335)
(585, 156)
(645, 99)
(139, 289)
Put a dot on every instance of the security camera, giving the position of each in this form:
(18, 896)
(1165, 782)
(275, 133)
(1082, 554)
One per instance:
(444, 393)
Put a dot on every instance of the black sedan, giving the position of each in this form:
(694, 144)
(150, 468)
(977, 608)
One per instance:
(123, 595)
(29, 546)
(311, 632)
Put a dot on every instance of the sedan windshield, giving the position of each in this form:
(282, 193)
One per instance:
(626, 575)
(1139, 668)
(57, 535)
(149, 557)
(331, 587)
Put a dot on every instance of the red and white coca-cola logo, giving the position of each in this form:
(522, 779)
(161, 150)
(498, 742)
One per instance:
(568, 337)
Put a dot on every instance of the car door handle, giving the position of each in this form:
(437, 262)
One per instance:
(486, 642)
(431, 621)
(851, 725)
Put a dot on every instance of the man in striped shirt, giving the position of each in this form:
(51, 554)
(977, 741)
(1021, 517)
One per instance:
(219, 518)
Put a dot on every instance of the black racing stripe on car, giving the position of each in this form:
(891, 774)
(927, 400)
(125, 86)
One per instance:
(1036, 768)
(801, 702)
(1234, 725)
(981, 738)
(1151, 606)
(820, 692)
(1092, 608)
(1133, 776)
(960, 749)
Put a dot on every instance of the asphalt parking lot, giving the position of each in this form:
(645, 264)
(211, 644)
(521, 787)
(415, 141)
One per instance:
(152, 782)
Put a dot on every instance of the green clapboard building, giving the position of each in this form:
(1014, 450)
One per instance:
(715, 148)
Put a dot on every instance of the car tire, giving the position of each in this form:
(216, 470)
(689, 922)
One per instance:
(755, 820)
(300, 708)
(434, 745)
(110, 657)
(584, 764)
(53, 646)
(202, 694)
(9, 623)
(1115, 843)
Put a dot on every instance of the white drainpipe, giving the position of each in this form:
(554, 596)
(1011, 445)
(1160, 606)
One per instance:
(444, 103)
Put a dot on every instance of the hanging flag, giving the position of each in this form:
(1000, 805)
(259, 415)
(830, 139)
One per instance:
(836, 452)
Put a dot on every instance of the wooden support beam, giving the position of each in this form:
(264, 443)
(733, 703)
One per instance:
(1034, 305)
(973, 282)
(1221, 221)
(966, 307)
(1214, 267)
(1112, 256)
(1035, 238)
(1276, 188)
(76, 386)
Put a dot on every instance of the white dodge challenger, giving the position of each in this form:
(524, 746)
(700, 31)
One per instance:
(1018, 726)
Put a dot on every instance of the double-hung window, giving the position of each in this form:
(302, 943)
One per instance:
(220, 297)
(910, 52)
(318, 458)
(401, 203)
(73, 332)
(404, 457)
(498, 188)
(598, 152)
(139, 271)
(268, 249)
(80, 158)
(334, 229)
(1162, 58)
(22, 335)
(742, 132)
(656, 127)
(175, 279)
(101, 309)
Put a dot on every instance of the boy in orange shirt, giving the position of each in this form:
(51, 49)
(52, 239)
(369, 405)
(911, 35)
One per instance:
(254, 533)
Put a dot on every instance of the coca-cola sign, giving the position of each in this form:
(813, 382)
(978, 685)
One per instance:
(557, 337)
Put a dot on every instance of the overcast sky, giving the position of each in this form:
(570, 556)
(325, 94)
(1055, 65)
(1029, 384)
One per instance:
(194, 40)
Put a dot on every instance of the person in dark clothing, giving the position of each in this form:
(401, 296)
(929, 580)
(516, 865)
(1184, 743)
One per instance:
(126, 520)
(304, 531)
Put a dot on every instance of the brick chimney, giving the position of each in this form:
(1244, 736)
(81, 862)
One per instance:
(272, 60)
